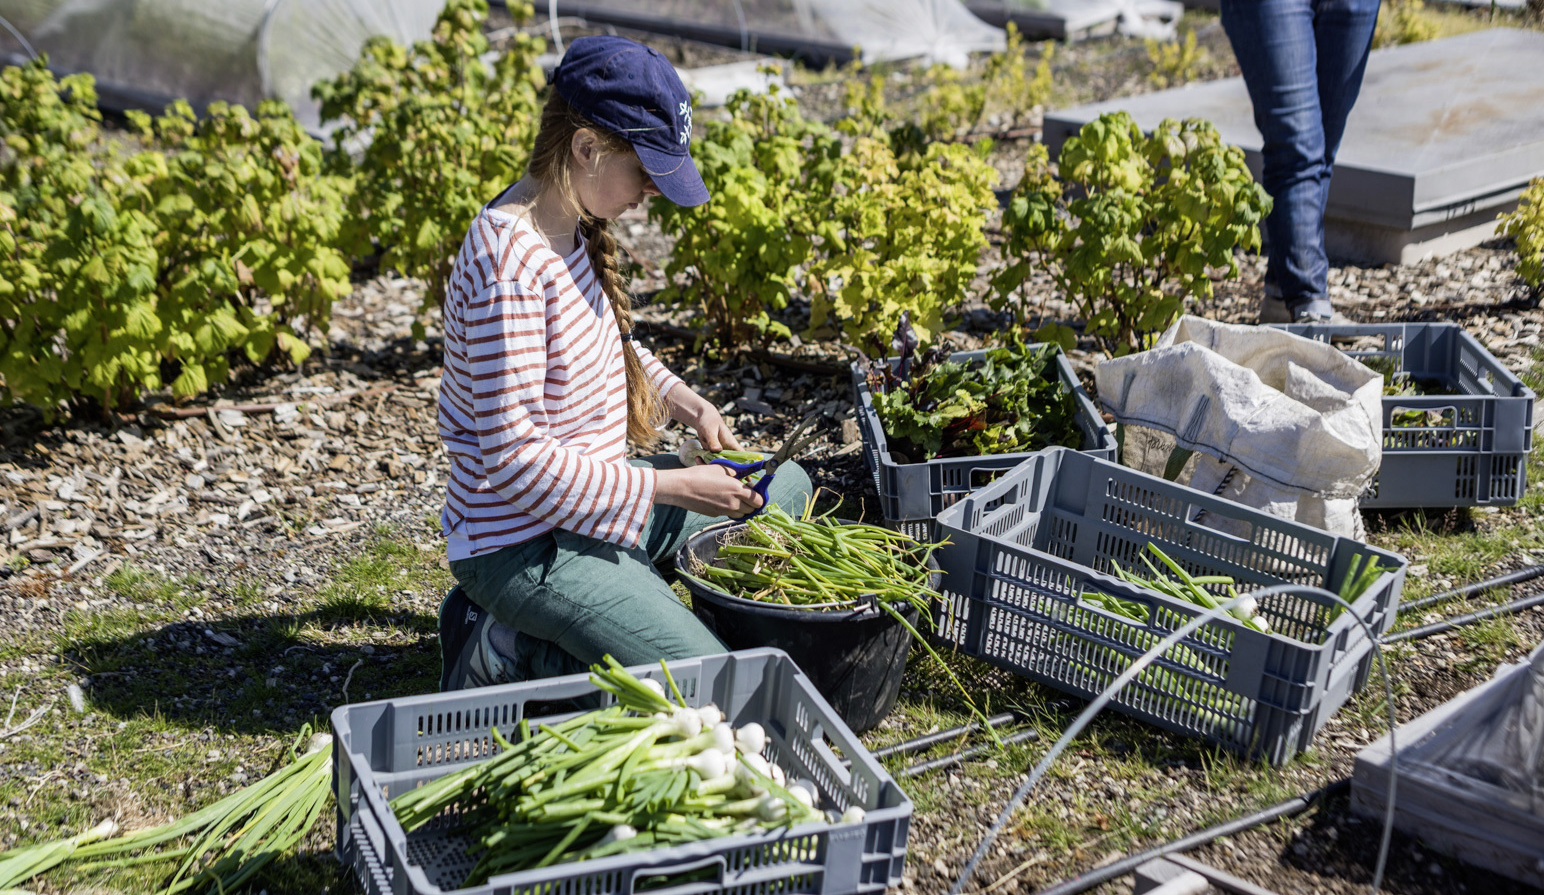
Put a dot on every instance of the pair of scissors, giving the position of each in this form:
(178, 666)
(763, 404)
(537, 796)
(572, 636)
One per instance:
(792, 445)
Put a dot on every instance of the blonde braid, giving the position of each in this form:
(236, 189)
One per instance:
(646, 410)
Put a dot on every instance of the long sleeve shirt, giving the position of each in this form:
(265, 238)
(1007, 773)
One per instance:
(533, 396)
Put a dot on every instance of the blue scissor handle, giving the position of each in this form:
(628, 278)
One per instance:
(741, 470)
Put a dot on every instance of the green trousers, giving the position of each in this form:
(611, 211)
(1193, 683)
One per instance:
(572, 599)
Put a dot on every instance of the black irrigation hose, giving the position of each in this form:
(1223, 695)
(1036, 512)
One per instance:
(1449, 624)
(1291, 807)
(928, 740)
(949, 761)
(1469, 590)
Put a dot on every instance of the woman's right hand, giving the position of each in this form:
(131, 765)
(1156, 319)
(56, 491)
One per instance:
(709, 490)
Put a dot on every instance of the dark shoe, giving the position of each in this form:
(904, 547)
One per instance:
(475, 650)
(461, 624)
(1274, 310)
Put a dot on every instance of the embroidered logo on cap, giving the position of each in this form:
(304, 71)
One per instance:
(686, 127)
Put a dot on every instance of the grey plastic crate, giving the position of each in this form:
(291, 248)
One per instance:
(1028, 546)
(1465, 449)
(1474, 804)
(384, 747)
(911, 495)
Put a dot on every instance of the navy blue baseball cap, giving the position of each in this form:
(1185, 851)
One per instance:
(632, 91)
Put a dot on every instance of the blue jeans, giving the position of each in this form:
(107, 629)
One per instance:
(572, 599)
(1302, 62)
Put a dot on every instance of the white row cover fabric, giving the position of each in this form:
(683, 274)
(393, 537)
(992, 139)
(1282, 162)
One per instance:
(149, 52)
(1288, 425)
(1156, 19)
(934, 30)
(930, 30)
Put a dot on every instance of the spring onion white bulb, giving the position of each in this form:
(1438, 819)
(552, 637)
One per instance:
(709, 763)
(691, 453)
(711, 716)
(752, 738)
(654, 685)
(758, 764)
(853, 815)
(723, 738)
(771, 808)
(777, 774)
(800, 790)
(618, 833)
(687, 723)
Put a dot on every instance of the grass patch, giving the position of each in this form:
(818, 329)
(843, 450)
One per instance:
(197, 688)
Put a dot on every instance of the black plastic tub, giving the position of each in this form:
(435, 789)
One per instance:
(854, 656)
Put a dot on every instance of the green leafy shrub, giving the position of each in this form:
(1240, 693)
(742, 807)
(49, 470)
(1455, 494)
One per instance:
(446, 132)
(1131, 226)
(1404, 22)
(1525, 226)
(949, 104)
(898, 234)
(738, 259)
(1175, 62)
(77, 263)
(248, 232)
(121, 265)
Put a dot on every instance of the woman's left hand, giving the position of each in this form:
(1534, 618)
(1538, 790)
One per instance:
(708, 423)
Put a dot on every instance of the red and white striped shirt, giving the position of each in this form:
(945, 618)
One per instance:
(533, 398)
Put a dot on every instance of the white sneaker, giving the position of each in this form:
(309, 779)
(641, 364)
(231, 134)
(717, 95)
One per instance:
(1334, 319)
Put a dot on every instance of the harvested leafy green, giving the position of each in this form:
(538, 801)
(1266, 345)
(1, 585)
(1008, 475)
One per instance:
(1399, 384)
(1010, 401)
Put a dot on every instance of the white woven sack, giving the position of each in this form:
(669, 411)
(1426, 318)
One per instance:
(1288, 425)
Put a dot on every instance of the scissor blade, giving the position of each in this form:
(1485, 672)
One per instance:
(793, 444)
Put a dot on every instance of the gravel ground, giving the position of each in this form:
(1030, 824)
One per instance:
(285, 474)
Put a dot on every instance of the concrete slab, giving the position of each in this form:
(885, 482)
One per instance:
(1445, 136)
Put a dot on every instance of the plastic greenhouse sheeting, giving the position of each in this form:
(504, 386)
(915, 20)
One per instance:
(817, 31)
(1471, 774)
(145, 53)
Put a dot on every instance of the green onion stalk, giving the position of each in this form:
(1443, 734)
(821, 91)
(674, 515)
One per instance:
(819, 563)
(1178, 583)
(643, 773)
(217, 848)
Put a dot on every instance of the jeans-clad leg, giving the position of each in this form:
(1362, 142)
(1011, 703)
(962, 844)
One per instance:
(1302, 62)
(566, 600)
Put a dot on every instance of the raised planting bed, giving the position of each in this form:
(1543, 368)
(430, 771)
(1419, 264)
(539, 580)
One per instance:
(1032, 574)
(389, 747)
(1460, 434)
(912, 490)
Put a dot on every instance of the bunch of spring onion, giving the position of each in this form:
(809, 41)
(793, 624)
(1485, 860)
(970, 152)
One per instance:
(1365, 570)
(643, 773)
(817, 563)
(1191, 588)
(217, 848)
(692, 453)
